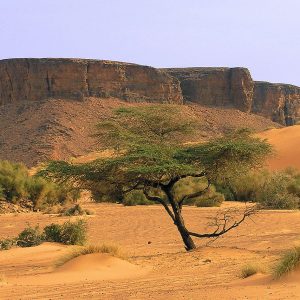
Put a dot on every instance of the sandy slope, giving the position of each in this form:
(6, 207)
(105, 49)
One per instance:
(286, 142)
(160, 266)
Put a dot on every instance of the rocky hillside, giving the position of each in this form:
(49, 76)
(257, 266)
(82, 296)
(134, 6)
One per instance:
(49, 107)
(35, 131)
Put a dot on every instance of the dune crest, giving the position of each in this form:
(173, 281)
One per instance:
(286, 142)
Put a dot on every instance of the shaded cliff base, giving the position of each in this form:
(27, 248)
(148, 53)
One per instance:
(35, 131)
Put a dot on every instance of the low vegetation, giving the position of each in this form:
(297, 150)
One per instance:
(17, 186)
(151, 160)
(287, 263)
(113, 250)
(75, 210)
(279, 190)
(69, 233)
(249, 270)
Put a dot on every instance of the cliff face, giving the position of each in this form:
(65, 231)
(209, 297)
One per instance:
(216, 86)
(280, 102)
(36, 79)
(234, 87)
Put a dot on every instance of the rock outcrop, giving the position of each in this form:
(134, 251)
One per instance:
(39, 79)
(216, 86)
(36, 79)
(280, 102)
(234, 87)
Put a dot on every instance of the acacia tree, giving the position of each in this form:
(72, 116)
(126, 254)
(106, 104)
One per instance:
(152, 157)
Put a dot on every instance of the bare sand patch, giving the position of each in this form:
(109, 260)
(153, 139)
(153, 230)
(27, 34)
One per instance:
(286, 142)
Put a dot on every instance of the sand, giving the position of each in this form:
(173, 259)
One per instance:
(286, 142)
(157, 266)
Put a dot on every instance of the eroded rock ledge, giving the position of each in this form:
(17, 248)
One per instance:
(36, 79)
(234, 87)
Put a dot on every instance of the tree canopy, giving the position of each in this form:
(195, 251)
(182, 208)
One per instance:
(152, 158)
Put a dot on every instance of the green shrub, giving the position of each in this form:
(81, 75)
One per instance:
(13, 181)
(7, 244)
(136, 198)
(53, 233)
(275, 192)
(288, 262)
(30, 236)
(16, 184)
(76, 210)
(279, 190)
(210, 201)
(69, 233)
(106, 193)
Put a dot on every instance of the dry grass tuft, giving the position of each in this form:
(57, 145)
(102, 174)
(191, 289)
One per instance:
(249, 270)
(111, 249)
(288, 262)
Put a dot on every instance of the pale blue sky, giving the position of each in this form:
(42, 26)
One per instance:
(262, 35)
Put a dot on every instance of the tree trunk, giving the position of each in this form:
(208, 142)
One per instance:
(179, 222)
(186, 238)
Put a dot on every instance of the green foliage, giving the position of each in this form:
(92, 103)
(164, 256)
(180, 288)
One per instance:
(131, 126)
(16, 184)
(30, 236)
(69, 233)
(76, 210)
(13, 179)
(277, 190)
(73, 233)
(214, 200)
(53, 233)
(151, 155)
(276, 194)
(136, 198)
(228, 157)
(288, 262)
(7, 244)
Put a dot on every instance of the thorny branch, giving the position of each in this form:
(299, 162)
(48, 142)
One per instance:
(224, 222)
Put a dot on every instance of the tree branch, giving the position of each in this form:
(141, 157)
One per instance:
(179, 177)
(159, 200)
(194, 195)
(222, 223)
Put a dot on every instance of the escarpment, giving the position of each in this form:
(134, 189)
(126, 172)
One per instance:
(78, 79)
(36, 79)
(234, 87)
(216, 86)
(280, 102)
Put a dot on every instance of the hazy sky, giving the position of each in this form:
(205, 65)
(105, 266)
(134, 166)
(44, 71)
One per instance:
(262, 35)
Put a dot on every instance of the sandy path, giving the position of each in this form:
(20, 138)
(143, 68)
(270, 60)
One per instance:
(209, 273)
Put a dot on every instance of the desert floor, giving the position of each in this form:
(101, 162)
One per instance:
(157, 266)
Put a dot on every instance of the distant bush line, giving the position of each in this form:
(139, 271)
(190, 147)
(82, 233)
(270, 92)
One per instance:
(69, 233)
(16, 185)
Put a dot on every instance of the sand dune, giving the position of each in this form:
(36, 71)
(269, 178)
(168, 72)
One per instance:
(157, 270)
(90, 267)
(286, 142)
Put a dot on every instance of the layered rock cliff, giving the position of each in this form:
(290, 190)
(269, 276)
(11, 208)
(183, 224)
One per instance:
(234, 87)
(216, 86)
(280, 102)
(36, 79)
